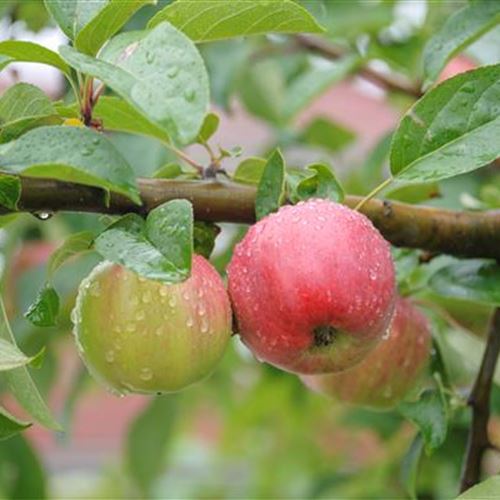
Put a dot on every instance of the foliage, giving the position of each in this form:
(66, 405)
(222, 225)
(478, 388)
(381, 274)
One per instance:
(145, 78)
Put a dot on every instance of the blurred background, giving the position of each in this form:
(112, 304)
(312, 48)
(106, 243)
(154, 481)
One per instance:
(249, 431)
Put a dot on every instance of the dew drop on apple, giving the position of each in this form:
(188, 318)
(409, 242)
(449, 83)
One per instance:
(159, 331)
(131, 327)
(387, 392)
(163, 291)
(204, 326)
(189, 322)
(146, 297)
(134, 300)
(172, 301)
(200, 292)
(110, 356)
(185, 295)
(140, 315)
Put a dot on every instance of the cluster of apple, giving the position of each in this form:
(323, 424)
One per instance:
(312, 289)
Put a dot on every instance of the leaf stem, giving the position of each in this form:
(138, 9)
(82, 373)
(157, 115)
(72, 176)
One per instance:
(183, 156)
(373, 192)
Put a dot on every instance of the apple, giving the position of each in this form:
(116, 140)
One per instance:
(312, 287)
(386, 375)
(142, 336)
(457, 65)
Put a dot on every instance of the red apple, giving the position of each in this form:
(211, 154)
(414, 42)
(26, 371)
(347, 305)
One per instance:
(312, 287)
(387, 373)
(139, 335)
(457, 65)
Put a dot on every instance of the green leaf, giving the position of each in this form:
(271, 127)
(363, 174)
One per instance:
(453, 129)
(414, 193)
(159, 249)
(206, 20)
(148, 440)
(74, 154)
(488, 489)
(409, 466)
(108, 21)
(312, 83)
(11, 357)
(117, 114)
(72, 16)
(209, 127)
(10, 191)
(250, 170)
(21, 384)
(271, 189)
(321, 184)
(459, 31)
(429, 414)
(159, 72)
(16, 50)
(72, 246)
(204, 234)
(23, 107)
(170, 228)
(473, 280)
(45, 308)
(19, 458)
(10, 425)
(323, 132)
(168, 171)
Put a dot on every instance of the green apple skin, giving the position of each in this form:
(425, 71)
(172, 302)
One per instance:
(142, 336)
(390, 371)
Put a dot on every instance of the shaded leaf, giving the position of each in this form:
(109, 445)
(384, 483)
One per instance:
(73, 245)
(21, 384)
(159, 248)
(10, 425)
(11, 356)
(45, 308)
(413, 193)
(148, 440)
(321, 184)
(250, 170)
(429, 414)
(209, 127)
(474, 280)
(23, 107)
(72, 154)
(159, 72)
(271, 189)
(108, 21)
(409, 466)
(206, 20)
(16, 50)
(10, 191)
(327, 134)
(204, 234)
(72, 16)
(453, 129)
(460, 30)
(168, 171)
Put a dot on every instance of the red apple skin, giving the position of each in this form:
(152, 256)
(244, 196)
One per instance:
(142, 336)
(314, 266)
(387, 373)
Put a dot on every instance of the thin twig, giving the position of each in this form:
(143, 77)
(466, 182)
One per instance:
(479, 400)
(387, 81)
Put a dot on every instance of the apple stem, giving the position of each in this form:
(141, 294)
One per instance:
(324, 335)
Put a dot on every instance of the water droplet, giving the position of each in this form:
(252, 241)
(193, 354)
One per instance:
(163, 291)
(387, 392)
(117, 329)
(140, 315)
(173, 71)
(131, 327)
(200, 292)
(204, 326)
(159, 331)
(42, 215)
(142, 279)
(150, 57)
(110, 356)
(96, 141)
(201, 310)
(172, 301)
(146, 297)
(189, 95)
(146, 374)
(134, 300)
(189, 322)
